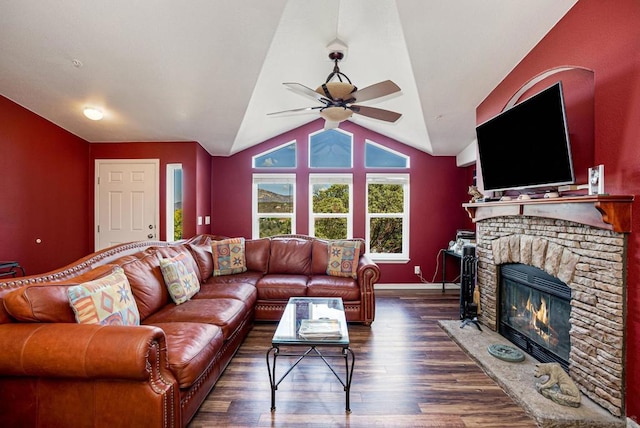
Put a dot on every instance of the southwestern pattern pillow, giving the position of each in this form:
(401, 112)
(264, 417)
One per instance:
(181, 282)
(228, 256)
(106, 301)
(343, 258)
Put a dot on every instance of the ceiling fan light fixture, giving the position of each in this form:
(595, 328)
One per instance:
(338, 90)
(93, 113)
(336, 114)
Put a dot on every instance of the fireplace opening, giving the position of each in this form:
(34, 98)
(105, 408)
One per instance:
(534, 312)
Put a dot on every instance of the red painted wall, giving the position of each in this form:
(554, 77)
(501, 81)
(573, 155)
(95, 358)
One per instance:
(437, 190)
(45, 193)
(604, 36)
(196, 189)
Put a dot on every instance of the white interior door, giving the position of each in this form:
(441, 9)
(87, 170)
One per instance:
(127, 198)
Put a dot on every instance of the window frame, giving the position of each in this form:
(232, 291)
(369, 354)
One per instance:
(271, 178)
(323, 178)
(391, 178)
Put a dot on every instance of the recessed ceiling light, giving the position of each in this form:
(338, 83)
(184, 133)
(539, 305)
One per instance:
(93, 113)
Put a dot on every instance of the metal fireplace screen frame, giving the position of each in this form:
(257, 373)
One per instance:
(534, 312)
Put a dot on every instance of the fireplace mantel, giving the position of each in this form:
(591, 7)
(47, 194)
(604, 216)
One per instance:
(611, 212)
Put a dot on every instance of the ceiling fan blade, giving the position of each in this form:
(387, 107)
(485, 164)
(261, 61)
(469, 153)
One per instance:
(376, 91)
(295, 110)
(376, 113)
(306, 91)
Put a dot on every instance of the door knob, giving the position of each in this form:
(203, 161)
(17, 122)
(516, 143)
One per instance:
(150, 235)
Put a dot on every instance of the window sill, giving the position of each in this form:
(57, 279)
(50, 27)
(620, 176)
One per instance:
(388, 260)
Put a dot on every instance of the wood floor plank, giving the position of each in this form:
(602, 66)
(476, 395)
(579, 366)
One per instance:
(408, 373)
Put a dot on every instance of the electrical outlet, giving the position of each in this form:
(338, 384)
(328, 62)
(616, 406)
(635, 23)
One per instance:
(416, 270)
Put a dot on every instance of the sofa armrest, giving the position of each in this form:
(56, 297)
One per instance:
(368, 274)
(84, 351)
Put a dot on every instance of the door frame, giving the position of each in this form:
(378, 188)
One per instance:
(96, 192)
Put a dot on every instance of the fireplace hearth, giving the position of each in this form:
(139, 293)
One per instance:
(534, 312)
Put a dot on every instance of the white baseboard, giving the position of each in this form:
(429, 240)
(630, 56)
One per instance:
(417, 286)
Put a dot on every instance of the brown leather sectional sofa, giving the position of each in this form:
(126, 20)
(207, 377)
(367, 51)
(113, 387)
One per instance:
(57, 372)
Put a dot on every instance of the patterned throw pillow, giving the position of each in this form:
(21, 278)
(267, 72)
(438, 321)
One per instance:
(181, 282)
(106, 301)
(343, 258)
(228, 256)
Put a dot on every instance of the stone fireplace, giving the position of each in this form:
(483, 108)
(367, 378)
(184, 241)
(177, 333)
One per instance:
(584, 252)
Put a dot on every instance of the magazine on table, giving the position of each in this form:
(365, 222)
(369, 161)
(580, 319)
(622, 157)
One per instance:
(320, 328)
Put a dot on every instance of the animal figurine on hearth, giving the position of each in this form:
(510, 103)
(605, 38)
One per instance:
(559, 387)
(475, 194)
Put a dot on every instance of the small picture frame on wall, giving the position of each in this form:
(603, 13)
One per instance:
(596, 180)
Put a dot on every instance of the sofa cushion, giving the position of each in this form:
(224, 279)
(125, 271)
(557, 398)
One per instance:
(147, 283)
(191, 348)
(181, 281)
(48, 302)
(251, 277)
(257, 253)
(290, 256)
(228, 256)
(334, 286)
(227, 314)
(106, 301)
(281, 287)
(244, 291)
(343, 258)
(201, 253)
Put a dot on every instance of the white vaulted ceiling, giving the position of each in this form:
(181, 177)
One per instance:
(210, 70)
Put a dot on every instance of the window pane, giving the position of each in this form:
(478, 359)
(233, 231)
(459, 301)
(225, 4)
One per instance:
(330, 149)
(385, 198)
(331, 228)
(281, 157)
(330, 198)
(177, 204)
(379, 157)
(386, 235)
(274, 226)
(275, 198)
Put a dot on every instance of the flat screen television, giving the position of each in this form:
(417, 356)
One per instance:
(528, 145)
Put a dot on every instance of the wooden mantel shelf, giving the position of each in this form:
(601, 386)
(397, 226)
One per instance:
(612, 212)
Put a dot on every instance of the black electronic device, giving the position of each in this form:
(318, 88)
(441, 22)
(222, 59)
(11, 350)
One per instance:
(528, 145)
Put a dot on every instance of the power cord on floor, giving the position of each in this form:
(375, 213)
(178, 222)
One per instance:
(433, 279)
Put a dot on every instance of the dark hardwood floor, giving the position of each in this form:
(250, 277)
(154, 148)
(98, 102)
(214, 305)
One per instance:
(408, 373)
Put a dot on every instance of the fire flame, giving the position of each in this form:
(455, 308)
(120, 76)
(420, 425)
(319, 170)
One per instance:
(539, 318)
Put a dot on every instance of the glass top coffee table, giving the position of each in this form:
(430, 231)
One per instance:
(307, 324)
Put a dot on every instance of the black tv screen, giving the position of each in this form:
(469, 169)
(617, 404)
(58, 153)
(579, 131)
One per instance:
(528, 145)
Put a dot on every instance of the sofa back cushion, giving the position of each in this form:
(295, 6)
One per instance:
(147, 284)
(257, 254)
(48, 302)
(290, 256)
(320, 254)
(201, 253)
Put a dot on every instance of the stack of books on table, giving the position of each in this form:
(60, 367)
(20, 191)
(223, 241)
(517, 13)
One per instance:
(324, 328)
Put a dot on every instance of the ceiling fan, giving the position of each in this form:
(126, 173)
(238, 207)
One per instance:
(338, 97)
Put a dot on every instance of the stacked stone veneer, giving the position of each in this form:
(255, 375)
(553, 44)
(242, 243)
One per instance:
(591, 262)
